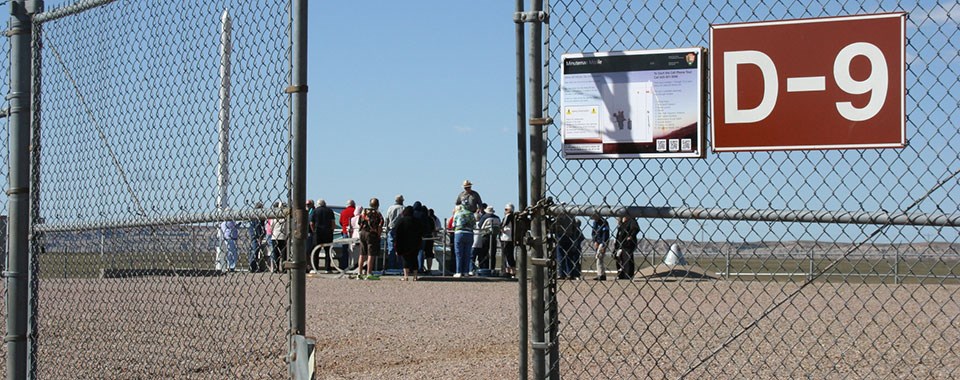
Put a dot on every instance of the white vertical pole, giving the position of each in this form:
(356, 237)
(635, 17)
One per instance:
(223, 148)
(223, 165)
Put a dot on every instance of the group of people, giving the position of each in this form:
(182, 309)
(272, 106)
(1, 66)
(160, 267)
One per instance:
(570, 239)
(475, 231)
(268, 243)
(411, 231)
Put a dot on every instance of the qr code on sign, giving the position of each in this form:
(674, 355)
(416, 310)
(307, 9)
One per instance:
(674, 145)
(661, 145)
(686, 144)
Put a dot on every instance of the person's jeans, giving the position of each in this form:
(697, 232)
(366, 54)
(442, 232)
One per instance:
(344, 258)
(231, 254)
(420, 258)
(253, 257)
(392, 262)
(601, 252)
(627, 265)
(316, 253)
(566, 257)
(463, 241)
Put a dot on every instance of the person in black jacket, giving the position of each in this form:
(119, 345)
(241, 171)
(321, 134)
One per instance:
(626, 244)
(600, 234)
(409, 238)
(565, 231)
(323, 222)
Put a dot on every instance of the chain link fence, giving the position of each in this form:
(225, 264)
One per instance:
(785, 299)
(161, 148)
(4, 169)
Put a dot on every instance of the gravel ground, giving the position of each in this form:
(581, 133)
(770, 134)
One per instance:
(392, 329)
(232, 327)
(619, 329)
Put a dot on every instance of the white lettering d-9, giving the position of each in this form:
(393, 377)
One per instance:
(876, 84)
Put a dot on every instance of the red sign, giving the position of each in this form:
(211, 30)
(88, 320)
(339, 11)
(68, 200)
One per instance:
(827, 83)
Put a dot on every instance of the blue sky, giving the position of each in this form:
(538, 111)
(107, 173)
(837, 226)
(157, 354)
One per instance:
(412, 98)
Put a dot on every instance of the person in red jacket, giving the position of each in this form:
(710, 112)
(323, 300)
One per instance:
(345, 217)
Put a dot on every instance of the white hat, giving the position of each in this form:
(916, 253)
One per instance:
(489, 210)
(467, 183)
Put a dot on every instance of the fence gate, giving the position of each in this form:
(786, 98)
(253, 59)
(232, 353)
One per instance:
(163, 134)
(866, 289)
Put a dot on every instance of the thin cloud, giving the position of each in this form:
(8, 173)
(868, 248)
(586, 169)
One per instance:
(462, 129)
(939, 15)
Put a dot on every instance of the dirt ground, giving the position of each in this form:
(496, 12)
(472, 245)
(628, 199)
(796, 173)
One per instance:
(233, 327)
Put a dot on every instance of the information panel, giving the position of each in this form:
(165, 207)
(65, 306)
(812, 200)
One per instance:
(633, 104)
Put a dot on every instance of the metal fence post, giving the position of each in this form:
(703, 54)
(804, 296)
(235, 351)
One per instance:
(537, 151)
(896, 267)
(518, 245)
(18, 190)
(298, 119)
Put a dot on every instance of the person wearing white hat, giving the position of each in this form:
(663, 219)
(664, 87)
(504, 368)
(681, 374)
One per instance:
(489, 224)
(468, 198)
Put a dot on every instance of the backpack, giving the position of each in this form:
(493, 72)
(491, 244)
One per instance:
(371, 221)
(469, 201)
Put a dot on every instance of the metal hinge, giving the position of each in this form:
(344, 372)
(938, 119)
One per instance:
(295, 89)
(539, 16)
(541, 121)
(540, 345)
(542, 262)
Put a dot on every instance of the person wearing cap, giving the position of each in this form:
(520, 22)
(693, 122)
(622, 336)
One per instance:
(489, 229)
(393, 214)
(468, 198)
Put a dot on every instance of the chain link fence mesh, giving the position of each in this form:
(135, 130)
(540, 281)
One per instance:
(139, 274)
(883, 301)
(5, 170)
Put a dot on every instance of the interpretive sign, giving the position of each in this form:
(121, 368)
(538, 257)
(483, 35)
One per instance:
(633, 104)
(826, 83)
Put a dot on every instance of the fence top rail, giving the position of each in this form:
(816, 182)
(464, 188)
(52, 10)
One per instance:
(214, 216)
(67, 10)
(759, 215)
